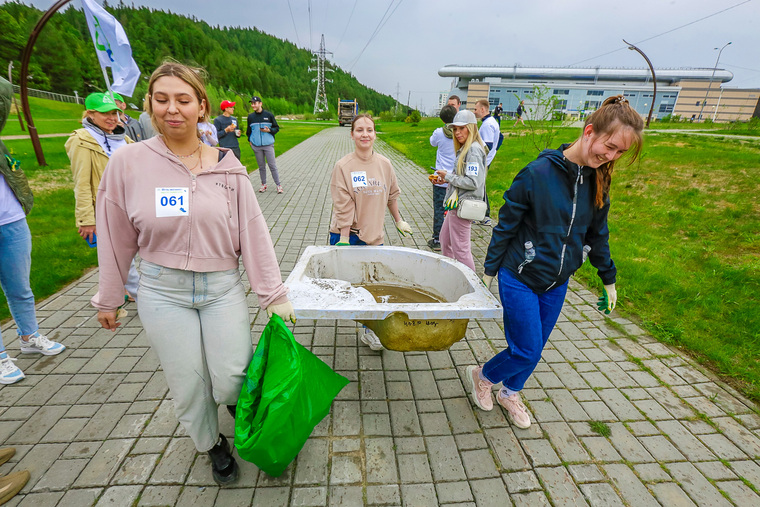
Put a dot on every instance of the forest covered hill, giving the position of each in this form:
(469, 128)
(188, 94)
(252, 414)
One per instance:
(240, 61)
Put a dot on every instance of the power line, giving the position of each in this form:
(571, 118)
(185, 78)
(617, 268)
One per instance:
(324, 21)
(375, 32)
(740, 67)
(294, 23)
(391, 14)
(347, 24)
(310, 39)
(663, 33)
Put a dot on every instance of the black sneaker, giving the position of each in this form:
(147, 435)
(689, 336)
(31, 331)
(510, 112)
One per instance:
(434, 245)
(223, 465)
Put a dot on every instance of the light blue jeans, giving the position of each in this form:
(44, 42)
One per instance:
(198, 325)
(15, 267)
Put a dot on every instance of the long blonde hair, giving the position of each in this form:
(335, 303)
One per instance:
(472, 136)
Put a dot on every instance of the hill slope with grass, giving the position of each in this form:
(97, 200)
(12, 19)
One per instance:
(240, 61)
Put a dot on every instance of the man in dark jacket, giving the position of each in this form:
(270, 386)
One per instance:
(262, 127)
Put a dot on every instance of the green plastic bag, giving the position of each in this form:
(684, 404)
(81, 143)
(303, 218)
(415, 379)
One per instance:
(287, 391)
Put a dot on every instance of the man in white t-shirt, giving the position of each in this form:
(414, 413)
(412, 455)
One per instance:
(489, 132)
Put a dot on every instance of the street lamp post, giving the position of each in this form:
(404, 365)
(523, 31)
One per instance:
(13, 95)
(654, 80)
(711, 79)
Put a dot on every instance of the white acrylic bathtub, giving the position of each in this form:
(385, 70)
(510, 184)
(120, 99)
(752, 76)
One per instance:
(321, 288)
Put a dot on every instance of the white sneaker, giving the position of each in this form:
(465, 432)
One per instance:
(516, 411)
(39, 344)
(371, 340)
(9, 372)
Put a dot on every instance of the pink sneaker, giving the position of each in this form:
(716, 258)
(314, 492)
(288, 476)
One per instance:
(279, 189)
(479, 389)
(263, 188)
(516, 411)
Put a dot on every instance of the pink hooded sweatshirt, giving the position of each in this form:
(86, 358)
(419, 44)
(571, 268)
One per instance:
(220, 221)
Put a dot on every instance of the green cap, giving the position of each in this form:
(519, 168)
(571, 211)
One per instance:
(100, 102)
(116, 96)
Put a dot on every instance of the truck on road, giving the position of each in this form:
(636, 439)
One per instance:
(347, 109)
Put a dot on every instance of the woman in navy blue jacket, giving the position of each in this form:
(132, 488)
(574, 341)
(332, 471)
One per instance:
(556, 205)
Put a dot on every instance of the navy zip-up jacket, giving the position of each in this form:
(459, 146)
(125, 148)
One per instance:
(551, 204)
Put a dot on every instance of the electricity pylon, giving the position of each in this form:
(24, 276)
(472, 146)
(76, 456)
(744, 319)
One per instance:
(320, 100)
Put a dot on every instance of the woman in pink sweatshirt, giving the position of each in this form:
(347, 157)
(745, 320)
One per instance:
(189, 210)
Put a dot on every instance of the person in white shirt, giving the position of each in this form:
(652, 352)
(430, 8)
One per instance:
(489, 132)
(443, 140)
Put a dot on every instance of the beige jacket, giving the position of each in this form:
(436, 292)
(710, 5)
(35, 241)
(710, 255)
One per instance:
(88, 161)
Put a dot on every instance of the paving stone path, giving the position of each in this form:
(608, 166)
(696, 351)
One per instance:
(619, 419)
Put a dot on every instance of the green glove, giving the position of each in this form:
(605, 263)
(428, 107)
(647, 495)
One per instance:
(608, 299)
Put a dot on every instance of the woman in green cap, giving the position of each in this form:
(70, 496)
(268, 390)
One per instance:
(89, 149)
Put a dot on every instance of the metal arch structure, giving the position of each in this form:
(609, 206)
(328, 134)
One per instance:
(23, 77)
(320, 99)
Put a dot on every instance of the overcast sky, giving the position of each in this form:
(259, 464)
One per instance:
(413, 39)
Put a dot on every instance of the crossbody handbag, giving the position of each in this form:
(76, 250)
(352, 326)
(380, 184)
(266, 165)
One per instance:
(471, 209)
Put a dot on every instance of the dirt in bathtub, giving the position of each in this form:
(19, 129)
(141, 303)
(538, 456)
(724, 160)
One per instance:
(388, 293)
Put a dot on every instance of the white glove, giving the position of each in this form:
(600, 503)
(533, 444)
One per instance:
(487, 280)
(608, 299)
(283, 310)
(403, 228)
(611, 295)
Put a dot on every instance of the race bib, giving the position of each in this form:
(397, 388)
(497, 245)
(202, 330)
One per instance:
(359, 179)
(171, 202)
(472, 169)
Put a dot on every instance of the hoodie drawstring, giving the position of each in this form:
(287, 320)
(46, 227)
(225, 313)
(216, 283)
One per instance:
(227, 184)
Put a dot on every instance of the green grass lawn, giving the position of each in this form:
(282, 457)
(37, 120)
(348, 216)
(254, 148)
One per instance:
(49, 117)
(684, 229)
(59, 254)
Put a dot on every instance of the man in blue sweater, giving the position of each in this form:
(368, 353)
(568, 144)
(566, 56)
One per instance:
(227, 128)
(262, 127)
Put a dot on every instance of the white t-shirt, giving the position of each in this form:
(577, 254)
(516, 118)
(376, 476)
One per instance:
(10, 209)
(445, 157)
(489, 132)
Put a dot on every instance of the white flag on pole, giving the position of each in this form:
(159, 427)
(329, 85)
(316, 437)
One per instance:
(112, 47)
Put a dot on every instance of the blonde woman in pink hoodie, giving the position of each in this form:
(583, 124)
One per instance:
(189, 210)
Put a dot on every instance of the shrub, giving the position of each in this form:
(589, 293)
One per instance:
(414, 118)
(753, 123)
(325, 115)
(666, 119)
(386, 116)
